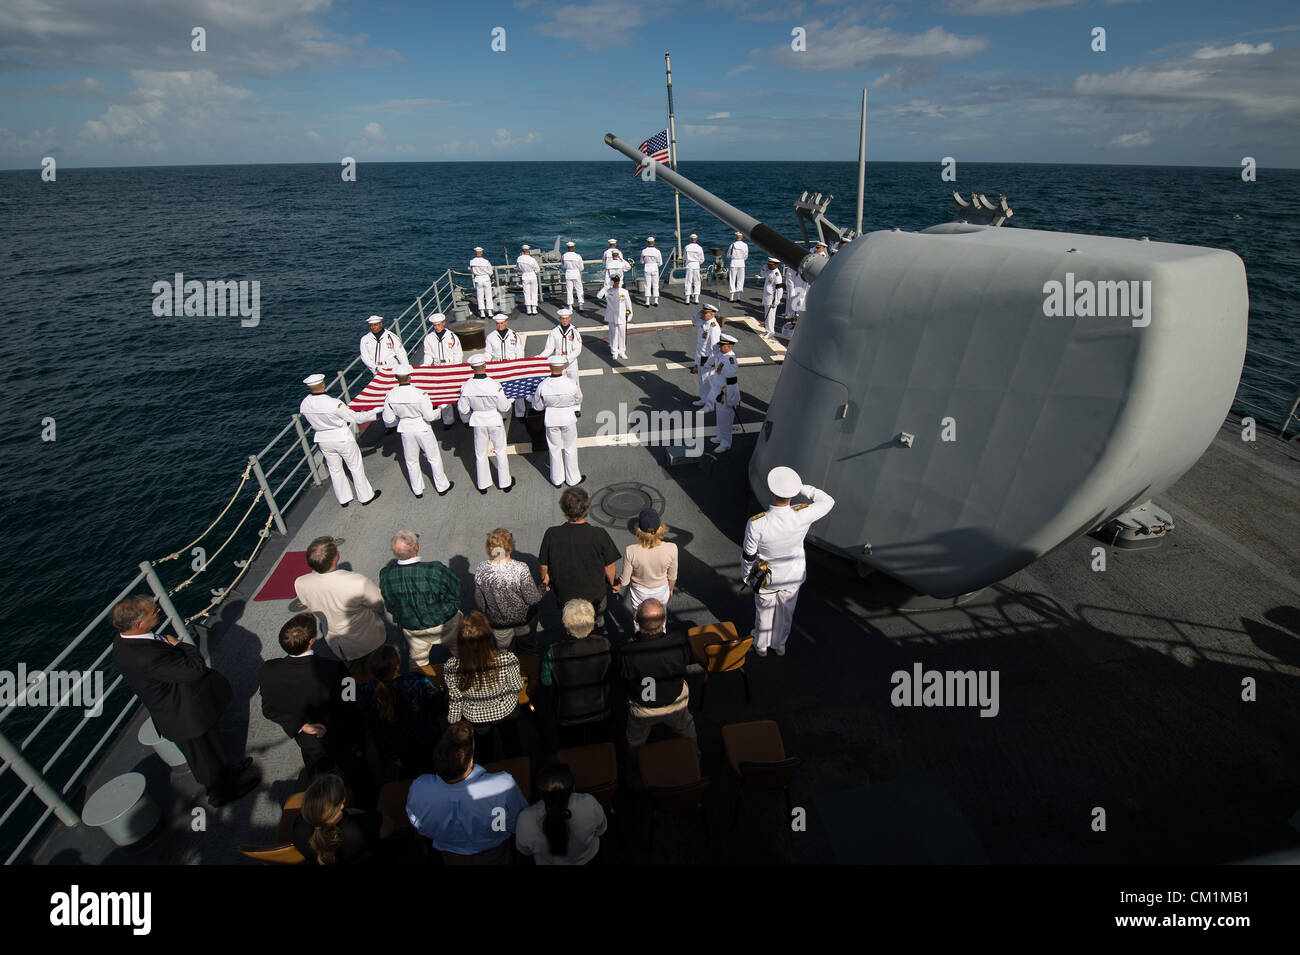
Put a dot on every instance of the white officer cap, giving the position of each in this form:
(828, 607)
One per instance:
(772, 258)
(569, 244)
(438, 318)
(739, 233)
(524, 247)
(728, 338)
(558, 361)
(710, 308)
(613, 241)
(375, 320)
(650, 238)
(314, 380)
(478, 248)
(694, 236)
(821, 245)
(564, 312)
(477, 360)
(403, 371)
(784, 482)
(500, 318)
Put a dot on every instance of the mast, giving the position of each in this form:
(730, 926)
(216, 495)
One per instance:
(672, 153)
(862, 158)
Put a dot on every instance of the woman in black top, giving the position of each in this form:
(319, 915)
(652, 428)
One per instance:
(328, 833)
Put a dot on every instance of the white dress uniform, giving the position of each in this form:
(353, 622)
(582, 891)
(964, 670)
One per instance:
(529, 277)
(652, 261)
(706, 346)
(504, 346)
(572, 277)
(443, 349)
(773, 292)
(776, 535)
(737, 253)
(726, 396)
(483, 401)
(411, 410)
(331, 419)
(614, 266)
(618, 309)
(560, 398)
(383, 353)
(566, 342)
(693, 254)
(481, 269)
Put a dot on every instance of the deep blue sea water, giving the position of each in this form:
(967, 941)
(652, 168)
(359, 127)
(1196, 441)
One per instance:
(156, 417)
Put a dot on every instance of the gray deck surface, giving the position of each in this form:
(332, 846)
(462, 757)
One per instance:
(1119, 689)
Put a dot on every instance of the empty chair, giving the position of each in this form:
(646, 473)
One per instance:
(670, 771)
(520, 769)
(283, 852)
(718, 649)
(756, 755)
(595, 772)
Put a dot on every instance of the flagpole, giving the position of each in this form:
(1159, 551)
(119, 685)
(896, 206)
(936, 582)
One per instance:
(672, 154)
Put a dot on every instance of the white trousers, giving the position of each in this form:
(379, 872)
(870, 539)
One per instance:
(521, 407)
(497, 435)
(618, 336)
(769, 313)
(483, 290)
(562, 442)
(736, 278)
(726, 418)
(413, 442)
(703, 379)
(636, 596)
(343, 450)
(571, 372)
(692, 283)
(572, 287)
(651, 285)
(530, 290)
(773, 614)
(449, 414)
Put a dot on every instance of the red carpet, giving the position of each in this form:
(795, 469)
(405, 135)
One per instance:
(280, 584)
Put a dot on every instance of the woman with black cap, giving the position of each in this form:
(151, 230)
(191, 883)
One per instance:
(649, 565)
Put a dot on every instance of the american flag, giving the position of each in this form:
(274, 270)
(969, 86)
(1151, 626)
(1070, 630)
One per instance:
(519, 378)
(656, 147)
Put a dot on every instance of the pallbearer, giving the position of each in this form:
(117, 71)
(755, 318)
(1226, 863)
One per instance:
(705, 346)
(726, 390)
(483, 402)
(773, 292)
(737, 253)
(411, 410)
(775, 536)
(331, 419)
(693, 255)
(564, 340)
(572, 276)
(381, 350)
(618, 309)
(504, 345)
(651, 262)
(561, 399)
(529, 275)
(442, 347)
(481, 269)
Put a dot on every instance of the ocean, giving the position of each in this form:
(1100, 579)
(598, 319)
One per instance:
(154, 418)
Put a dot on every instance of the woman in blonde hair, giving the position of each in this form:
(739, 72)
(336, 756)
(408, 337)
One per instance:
(326, 832)
(649, 565)
(505, 591)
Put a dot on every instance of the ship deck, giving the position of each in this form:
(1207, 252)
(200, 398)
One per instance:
(1120, 690)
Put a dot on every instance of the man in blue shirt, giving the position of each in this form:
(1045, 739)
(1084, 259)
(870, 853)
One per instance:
(467, 812)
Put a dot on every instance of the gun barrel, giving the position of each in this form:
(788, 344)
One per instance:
(767, 238)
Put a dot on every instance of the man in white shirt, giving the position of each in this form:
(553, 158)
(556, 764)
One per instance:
(504, 345)
(561, 399)
(442, 347)
(381, 350)
(411, 410)
(615, 265)
(705, 347)
(618, 309)
(773, 292)
(332, 421)
(483, 402)
(481, 270)
(693, 255)
(566, 341)
(651, 262)
(529, 276)
(737, 253)
(726, 390)
(351, 602)
(572, 276)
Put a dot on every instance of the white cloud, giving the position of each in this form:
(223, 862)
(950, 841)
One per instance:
(89, 88)
(372, 130)
(719, 116)
(597, 25)
(997, 8)
(743, 68)
(502, 139)
(313, 135)
(402, 107)
(1237, 49)
(838, 47)
(167, 106)
(1130, 140)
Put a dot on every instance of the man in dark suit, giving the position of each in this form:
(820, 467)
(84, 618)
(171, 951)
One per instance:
(184, 697)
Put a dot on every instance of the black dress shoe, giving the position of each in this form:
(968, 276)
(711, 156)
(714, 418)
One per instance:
(419, 496)
(581, 478)
(446, 427)
(240, 788)
(482, 490)
(450, 485)
(375, 498)
(513, 482)
(345, 505)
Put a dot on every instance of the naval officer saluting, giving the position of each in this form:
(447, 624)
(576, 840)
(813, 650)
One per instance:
(693, 255)
(331, 419)
(442, 347)
(481, 269)
(726, 390)
(483, 401)
(381, 350)
(566, 341)
(705, 347)
(504, 345)
(651, 262)
(737, 253)
(572, 276)
(776, 537)
(561, 399)
(529, 276)
(411, 410)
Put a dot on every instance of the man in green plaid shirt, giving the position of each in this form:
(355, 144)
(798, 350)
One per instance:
(422, 596)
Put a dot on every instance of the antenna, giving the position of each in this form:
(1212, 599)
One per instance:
(862, 158)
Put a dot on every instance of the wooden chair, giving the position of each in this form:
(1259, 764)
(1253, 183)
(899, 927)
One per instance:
(531, 666)
(756, 755)
(595, 772)
(521, 768)
(392, 806)
(288, 815)
(434, 672)
(718, 649)
(670, 771)
(273, 855)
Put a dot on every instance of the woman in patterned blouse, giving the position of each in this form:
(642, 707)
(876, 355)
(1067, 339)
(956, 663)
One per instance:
(505, 591)
(483, 683)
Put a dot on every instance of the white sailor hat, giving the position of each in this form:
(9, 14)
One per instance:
(650, 238)
(731, 339)
(314, 380)
(524, 247)
(738, 232)
(784, 482)
(694, 236)
(478, 360)
(564, 312)
(437, 318)
(375, 320)
(498, 317)
(478, 248)
(569, 244)
(613, 241)
(773, 258)
(709, 308)
(402, 371)
(558, 361)
(820, 245)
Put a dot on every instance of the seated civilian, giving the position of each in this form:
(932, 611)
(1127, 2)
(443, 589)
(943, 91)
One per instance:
(401, 715)
(578, 667)
(653, 666)
(483, 683)
(468, 813)
(328, 833)
(505, 591)
(563, 827)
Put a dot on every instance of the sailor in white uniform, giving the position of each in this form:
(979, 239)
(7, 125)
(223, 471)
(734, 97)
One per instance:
(332, 421)
(615, 265)
(606, 257)
(481, 269)
(705, 348)
(529, 277)
(411, 410)
(737, 253)
(651, 262)
(726, 390)
(561, 399)
(566, 341)
(693, 255)
(381, 350)
(483, 402)
(442, 347)
(618, 309)
(776, 536)
(504, 345)
(773, 292)
(572, 276)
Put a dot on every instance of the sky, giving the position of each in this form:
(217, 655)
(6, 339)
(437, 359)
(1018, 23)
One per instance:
(119, 82)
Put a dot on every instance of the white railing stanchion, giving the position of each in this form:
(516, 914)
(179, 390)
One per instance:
(306, 450)
(46, 793)
(165, 601)
(270, 498)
